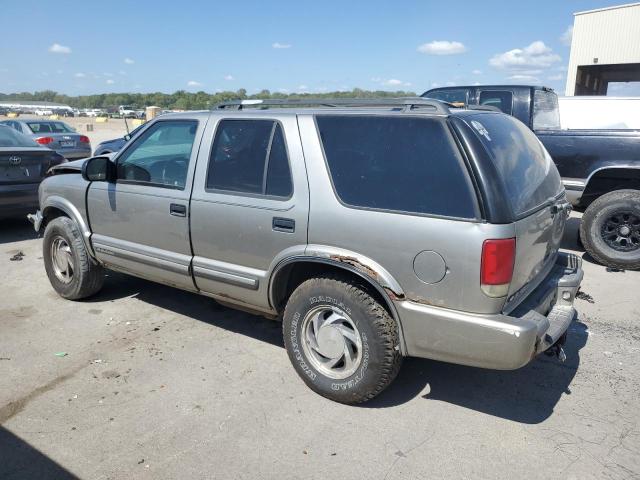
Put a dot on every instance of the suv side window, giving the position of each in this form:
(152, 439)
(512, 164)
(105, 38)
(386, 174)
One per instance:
(405, 164)
(502, 100)
(250, 156)
(160, 156)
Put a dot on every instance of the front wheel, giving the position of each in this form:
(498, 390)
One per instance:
(610, 229)
(72, 273)
(340, 340)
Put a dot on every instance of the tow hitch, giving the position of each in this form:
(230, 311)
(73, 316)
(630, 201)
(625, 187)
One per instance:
(557, 350)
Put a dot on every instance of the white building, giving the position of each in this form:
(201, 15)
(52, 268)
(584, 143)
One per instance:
(605, 47)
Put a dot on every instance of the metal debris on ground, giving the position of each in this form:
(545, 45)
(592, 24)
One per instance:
(61, 354)
(17, 257)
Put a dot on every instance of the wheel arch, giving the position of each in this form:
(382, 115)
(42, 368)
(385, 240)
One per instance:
(609, 178)
(55, 206)
(291, 272)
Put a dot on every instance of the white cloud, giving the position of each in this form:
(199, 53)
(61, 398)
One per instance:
(523, 78)
(193, 83)
(566, 37)
(535, 56)
(110, 81)
(129, 61)
(477, 72)
(303, 88)
(555, 78)
(450, 84)
(391, 82)
(79, 75)
(283, 90)
(107, 74)
(442, 47)
(229, 77)
(57, 48)
(435, 85)
(122, 72)
(279, 45)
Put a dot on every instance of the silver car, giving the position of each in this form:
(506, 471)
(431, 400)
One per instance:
(374, 229)
(55, 135)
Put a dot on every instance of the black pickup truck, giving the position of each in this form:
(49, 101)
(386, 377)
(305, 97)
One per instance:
(600, 169)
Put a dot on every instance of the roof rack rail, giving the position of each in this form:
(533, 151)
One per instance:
(409, 103)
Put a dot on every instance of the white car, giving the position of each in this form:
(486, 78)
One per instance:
(42, 112)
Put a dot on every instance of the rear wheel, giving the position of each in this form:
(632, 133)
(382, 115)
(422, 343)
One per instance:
(610, 229)
(341, 341)
(72, 273)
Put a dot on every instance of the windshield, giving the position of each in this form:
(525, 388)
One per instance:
(10, 138)
(527, 171)
(49, 127)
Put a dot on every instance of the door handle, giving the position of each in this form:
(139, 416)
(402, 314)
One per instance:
(287, 225)
(178, 210)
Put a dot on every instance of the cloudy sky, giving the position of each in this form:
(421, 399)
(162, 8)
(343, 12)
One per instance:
(288, 46)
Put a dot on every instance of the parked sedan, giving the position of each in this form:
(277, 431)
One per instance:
(115, 144)
(55, 135)
(23, 165)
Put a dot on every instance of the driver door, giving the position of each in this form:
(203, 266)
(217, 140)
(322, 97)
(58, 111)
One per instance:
(140, 223)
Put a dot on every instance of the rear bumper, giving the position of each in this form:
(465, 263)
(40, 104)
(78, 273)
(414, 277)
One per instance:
(502, 342)
(18, 200)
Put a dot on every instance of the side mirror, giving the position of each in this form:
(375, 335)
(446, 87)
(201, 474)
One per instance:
(99, 169)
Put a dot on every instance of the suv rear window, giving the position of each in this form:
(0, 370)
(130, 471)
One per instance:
(406, 164)
(527, 171)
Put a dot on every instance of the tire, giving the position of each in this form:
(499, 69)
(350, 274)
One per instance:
(72, 273)
(610, 229)
(345, 312)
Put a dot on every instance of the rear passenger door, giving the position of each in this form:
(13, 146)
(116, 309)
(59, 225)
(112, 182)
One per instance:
(249, 205)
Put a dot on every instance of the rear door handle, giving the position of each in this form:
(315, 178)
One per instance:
(287, 225)
(178, 210)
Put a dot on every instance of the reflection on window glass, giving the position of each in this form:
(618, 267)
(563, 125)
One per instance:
(529, 175)
(546, 113)
(238, 158)
(160, 155)
(50, 127)
(457, 96)
(393, 163)
(501, 100)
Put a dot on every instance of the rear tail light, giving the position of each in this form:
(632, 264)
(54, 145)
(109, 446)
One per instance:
(44, 140)
(84, 139)
(496, 271)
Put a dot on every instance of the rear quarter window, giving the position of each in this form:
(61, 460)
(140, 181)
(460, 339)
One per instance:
(528, 173)
(404, 164)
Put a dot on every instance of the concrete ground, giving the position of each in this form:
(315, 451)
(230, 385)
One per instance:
(148, 382)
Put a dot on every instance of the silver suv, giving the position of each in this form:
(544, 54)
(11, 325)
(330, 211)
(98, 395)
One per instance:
(375, 229)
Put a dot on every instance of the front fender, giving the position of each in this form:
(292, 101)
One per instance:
(66, 206)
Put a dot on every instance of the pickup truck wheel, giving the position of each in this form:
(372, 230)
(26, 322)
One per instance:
(341, 341)
(610, 229)
(70, 269)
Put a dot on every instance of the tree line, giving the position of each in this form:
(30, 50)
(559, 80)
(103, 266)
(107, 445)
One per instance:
(183, 100)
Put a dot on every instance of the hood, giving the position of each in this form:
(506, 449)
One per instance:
(68, 167)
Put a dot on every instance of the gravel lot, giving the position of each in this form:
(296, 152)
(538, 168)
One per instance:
(158, 383)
